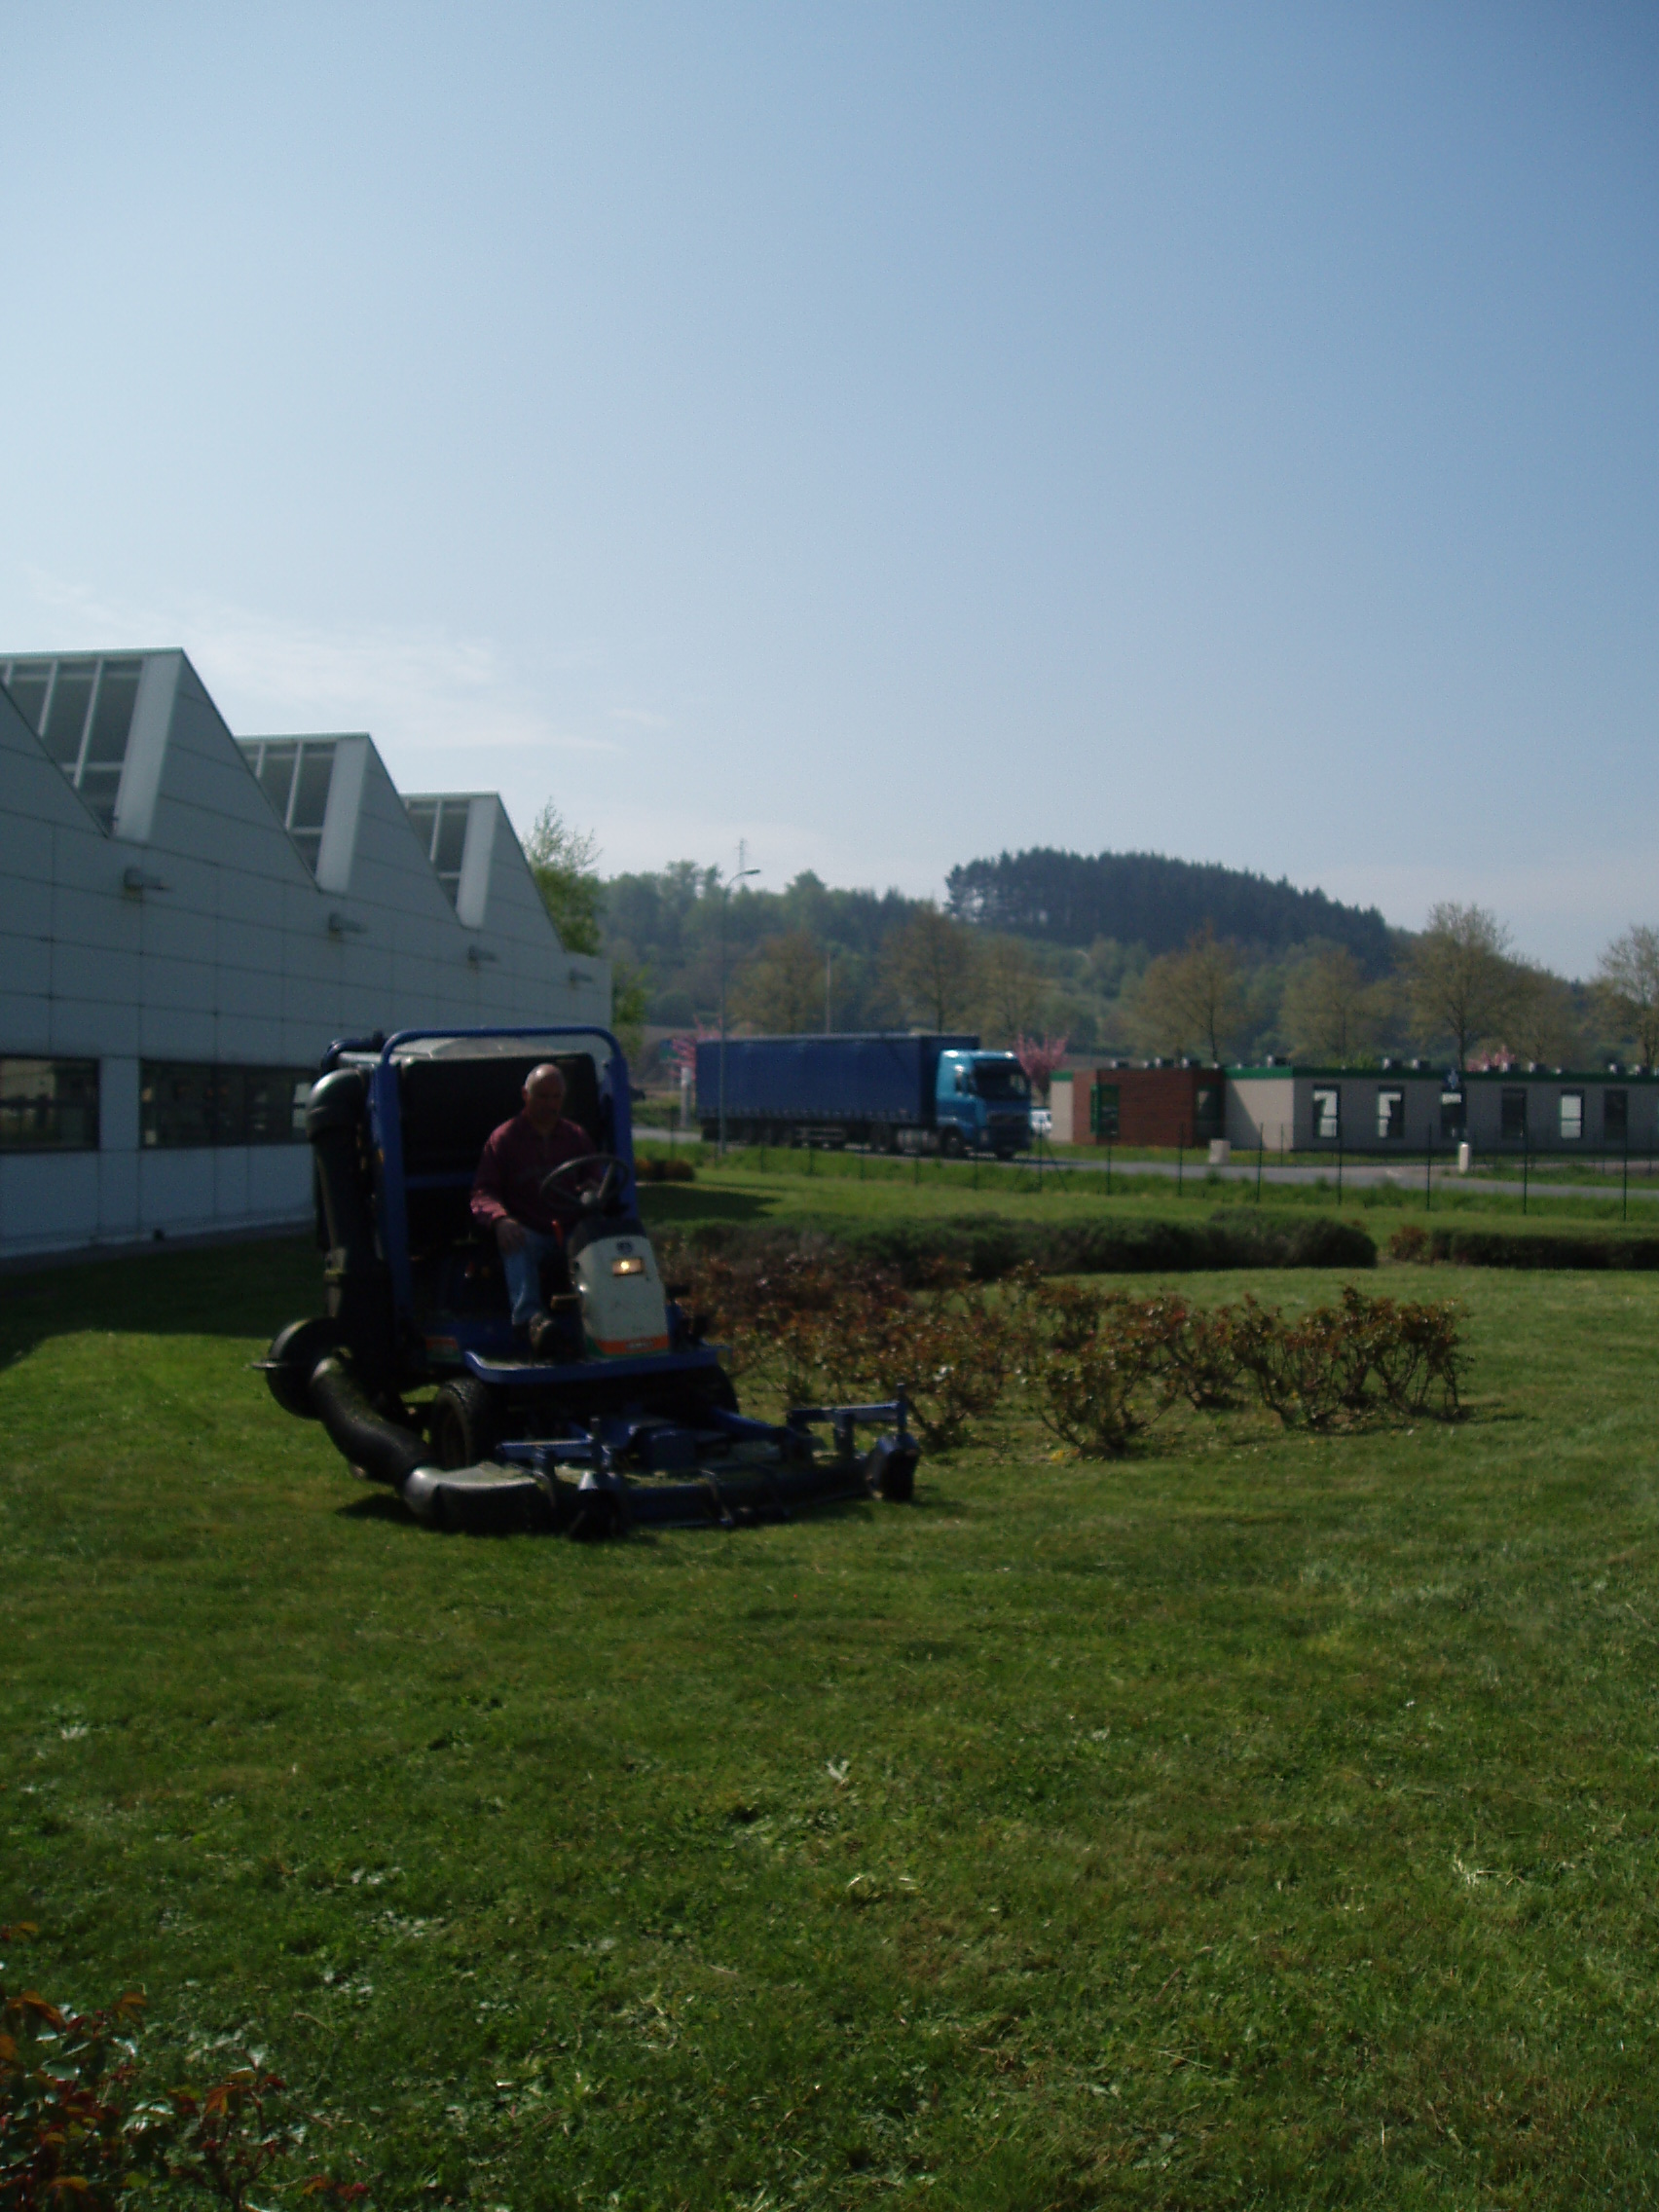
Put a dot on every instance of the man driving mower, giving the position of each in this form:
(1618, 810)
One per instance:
(510, 1197)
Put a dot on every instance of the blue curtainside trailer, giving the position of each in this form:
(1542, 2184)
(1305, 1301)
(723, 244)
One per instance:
(894, 1092)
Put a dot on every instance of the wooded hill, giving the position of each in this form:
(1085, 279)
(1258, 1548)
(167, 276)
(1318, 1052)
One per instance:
(1089, 927)
(1118, 952)
(1143, 899)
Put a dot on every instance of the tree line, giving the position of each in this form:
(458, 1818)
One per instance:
(811, 956)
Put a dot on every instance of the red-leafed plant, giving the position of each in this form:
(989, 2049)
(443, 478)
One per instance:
(77, 2127)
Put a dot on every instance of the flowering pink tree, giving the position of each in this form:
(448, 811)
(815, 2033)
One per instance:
(1040, 1060)
(684, 1047)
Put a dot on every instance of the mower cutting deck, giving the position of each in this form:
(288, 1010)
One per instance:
(624, 1417)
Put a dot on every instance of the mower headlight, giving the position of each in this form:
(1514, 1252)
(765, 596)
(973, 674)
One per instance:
(635, 1266)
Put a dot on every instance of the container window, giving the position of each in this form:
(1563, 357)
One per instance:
(1391, 1115)
(1104, 1104)
(1615, 1116)
(1453, 1112)
(49, 1105)
(1514, 1113)
(1327, 1114)
(1571, 1116)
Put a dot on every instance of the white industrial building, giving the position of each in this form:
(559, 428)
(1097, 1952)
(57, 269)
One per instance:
(188, 920)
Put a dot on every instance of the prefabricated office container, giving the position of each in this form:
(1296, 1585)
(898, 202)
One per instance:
(852, 1089)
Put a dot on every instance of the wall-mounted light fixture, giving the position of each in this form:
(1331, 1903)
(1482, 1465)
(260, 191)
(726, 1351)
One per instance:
(134, 879)
(341, 925)
(477, 955)
(578, 976)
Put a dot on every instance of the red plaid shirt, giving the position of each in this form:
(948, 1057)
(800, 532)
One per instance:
(516, 1162)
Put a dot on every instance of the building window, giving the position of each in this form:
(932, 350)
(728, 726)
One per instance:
(1103, 1110)
(1206, 1111)
(82, 711)
(295, 774)
(1514, 1112)
(191, 1104)
(1454, 1113)
(1391, 1115)
(49, 1105)
(1571, 1116)
(1327, 1114)
(1615, 1116)
(440, 823)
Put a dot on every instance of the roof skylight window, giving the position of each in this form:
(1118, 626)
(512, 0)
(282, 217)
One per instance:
(440, 823)
(295, 775)
(82, 711)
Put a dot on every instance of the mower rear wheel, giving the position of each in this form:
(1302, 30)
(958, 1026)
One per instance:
(461, 1423)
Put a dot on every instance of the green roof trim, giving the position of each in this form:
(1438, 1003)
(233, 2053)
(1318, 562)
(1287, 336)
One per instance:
(1438, 1075)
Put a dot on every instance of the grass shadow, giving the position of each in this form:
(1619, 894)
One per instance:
(667, 1205)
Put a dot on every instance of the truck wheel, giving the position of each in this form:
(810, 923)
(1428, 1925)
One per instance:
(461, 1423)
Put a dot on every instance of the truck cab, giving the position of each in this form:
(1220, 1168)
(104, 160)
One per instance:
(983, 1103)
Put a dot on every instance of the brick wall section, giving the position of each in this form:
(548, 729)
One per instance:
(1159, 1106)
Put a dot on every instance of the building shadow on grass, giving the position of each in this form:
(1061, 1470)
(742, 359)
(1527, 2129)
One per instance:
(246, 1290)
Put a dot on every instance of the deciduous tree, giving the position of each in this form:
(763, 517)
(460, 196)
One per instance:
(933, 966)
(1014, 992)
(1627, 987)
(1193, 999)
(562, 860)
(1461, 978)
(782, 989)
(1543, 1021)
(1331, 1011)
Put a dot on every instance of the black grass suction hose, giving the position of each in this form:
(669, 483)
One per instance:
(385, 1453)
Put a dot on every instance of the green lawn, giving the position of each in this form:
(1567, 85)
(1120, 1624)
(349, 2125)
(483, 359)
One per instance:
(838, 1188)
(1261, 1821)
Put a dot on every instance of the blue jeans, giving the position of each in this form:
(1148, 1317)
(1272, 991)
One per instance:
(522, 1269)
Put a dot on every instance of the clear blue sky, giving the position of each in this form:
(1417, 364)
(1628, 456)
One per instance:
(886, 433)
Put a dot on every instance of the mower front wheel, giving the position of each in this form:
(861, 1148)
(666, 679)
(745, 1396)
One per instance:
(461, 1423)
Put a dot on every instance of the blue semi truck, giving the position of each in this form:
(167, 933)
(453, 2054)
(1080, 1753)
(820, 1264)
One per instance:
(891, 1092)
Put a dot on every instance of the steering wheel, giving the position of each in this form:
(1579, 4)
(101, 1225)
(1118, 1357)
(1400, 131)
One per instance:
(559, 1182)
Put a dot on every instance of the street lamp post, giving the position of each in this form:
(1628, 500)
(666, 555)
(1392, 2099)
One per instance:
(725, 901)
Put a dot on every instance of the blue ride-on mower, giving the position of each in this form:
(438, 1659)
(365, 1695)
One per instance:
(622, 1416)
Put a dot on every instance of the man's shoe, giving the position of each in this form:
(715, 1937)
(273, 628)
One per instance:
(544, 1334)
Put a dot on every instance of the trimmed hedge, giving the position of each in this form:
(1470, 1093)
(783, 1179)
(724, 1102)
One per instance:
(1522, 1248)
(988, 1247)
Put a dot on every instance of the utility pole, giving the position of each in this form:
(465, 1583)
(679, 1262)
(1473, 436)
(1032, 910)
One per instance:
(725, 901)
